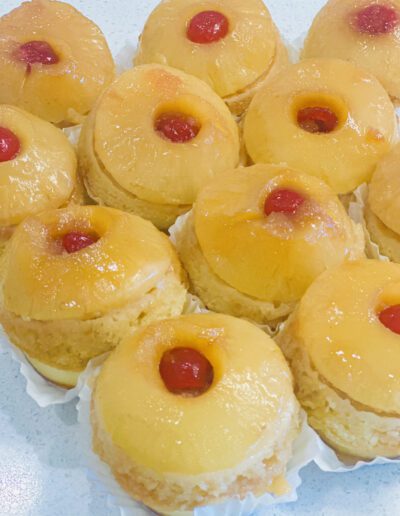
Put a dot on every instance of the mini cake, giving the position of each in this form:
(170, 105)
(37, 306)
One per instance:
(364, 32)
(156, 136)
(382, 211)
(343, 343)
(75, 281)
(316, 117)
(233, 45)
(193, 410)
(54, 62)
(284, 228)
(37, 168)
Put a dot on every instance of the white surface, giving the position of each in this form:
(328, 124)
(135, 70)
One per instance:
(41, 460)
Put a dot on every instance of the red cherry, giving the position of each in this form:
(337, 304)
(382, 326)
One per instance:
(9, 145)
(207, 27)
(317, 119)
(37, 52)
(186, 371)
(376, 19)
(390, 317)
(283, 201)
(75, 241)
(176, 127)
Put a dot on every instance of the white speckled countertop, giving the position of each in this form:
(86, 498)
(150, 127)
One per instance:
(41, 469)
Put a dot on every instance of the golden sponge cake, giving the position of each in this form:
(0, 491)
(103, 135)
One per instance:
(193, 410)
(258, 237)
(38, 168)
(156, 136)
(75, 281)
(343, 343)
(233, 45)
(54, 62)
(316, 116)
(363, 32)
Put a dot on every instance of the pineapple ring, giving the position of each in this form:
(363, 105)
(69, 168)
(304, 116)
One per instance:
(384, 191)
(345, 157)
(175, 441)
(129, 150)
(66, 90)
(344, 338)
(43, 283)
(334, 34)
(229, 65)
(271, 258)
(43, 173)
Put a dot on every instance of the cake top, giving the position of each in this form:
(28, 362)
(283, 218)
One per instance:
(81, 262)
(348, 324)
(269, 231)
(153, 124)
(227, 43)
(316, 116)
(37, 166)
(54, 60)
(247, 409)
(364, 32)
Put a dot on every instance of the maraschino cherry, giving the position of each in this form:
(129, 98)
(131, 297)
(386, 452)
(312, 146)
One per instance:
(177, 127)
(317, 119)
(186, 371)
(9, 145)
(207, 27)
(37, 52)
(390, 317)
(75, 241)
(283, 200)
(376, 19)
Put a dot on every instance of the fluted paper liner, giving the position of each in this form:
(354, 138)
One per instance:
(356, 212)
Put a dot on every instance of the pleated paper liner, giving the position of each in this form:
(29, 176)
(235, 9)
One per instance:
(356, 212)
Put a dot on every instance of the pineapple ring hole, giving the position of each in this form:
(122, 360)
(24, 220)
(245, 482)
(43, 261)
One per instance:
(75, 241)
(375, 20)
(10, 145)
(390, 318)
(319, 113)
(186, 371)
(175, 123)
(389, 296)
(207, 27)
(36, 52)
(283, 200)
(71, 237)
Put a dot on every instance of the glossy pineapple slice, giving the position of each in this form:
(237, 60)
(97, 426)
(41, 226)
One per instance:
(344, 338)
(54, 62)
(108, 273)
(235, 438)
(130, 385)
(352, 138)
(42, 174)
(363, 32)
(272, 256)
(229, 65)
(126, 157)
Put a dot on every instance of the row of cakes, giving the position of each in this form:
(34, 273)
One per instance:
(75, 281)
